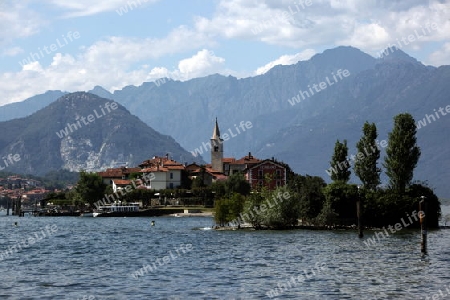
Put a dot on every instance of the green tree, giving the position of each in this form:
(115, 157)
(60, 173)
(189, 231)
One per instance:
(237, 202)
(237, 183)
(309, 190)
(74, 198)
(285, 213)
(341, 200)
(340, 166)
(402, 153)
(253, 203)
(327, 215)
(90, 187)
(368, 154)
(221, 211)
(219, 189)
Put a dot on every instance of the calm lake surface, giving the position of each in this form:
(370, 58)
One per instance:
(95, 258)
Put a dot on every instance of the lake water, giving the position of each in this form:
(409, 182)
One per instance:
(97, 258)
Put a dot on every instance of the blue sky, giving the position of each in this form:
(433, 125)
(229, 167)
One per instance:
(76, 45)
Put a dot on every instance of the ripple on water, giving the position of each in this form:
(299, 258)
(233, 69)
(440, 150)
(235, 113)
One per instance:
(97, 256)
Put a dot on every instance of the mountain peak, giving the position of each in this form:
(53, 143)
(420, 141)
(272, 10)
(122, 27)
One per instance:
(100, 91)
(83, 131)
(394, 54)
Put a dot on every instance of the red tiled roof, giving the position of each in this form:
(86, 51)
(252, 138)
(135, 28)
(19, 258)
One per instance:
(162, 162)
(181, 167)
(228, 159)
(266, 161)
(154, 169)
(221, 177)
(247, 160)
(118, 172)
(122, 182)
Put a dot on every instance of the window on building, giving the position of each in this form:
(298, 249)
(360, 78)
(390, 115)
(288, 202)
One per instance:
(278, 183)
(216, 148)
(278, 173)
(260, 174)
(171, 185)
(171, 175)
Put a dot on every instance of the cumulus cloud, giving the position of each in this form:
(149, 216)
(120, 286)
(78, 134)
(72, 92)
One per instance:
(286, 60)
(369, 25)
(117, 61)
(81, 8)
(13, 51)
(441, 56)
(106, 62)
(204, 62)
(17, 21)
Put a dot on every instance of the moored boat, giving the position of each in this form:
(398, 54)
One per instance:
(117, 209)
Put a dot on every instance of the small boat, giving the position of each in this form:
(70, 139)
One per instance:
(87, 214)
(117, 209)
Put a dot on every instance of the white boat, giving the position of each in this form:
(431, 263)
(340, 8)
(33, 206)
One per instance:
(87, 214)
(132, 207)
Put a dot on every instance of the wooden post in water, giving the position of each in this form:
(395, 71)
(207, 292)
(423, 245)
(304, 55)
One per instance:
(359, 215)
(18, 205)
(423, 224)
(7, 206)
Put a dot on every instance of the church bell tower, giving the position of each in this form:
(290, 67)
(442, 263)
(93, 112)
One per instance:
(216, 149)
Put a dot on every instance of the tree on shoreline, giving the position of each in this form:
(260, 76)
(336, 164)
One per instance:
(90, 188)
(402, 153)
(368, 154)
(339, 164)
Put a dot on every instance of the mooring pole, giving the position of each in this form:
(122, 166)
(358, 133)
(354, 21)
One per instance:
(7, 206)
(359, 215)
(423, 224)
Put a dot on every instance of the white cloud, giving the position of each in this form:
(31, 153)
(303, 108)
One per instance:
(441, 56)
(116, 61)
(82, 8)
(369, 25)
(13, 51)
(205, 62)
(17, 21)
(107, 63)
(286, 60)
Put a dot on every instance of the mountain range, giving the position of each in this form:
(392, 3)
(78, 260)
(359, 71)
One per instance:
(297, 111)
(81, 131)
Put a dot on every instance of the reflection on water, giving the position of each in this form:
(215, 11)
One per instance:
(96, 257)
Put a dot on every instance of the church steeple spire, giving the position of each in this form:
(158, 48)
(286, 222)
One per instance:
(216, 132)
(216, 149)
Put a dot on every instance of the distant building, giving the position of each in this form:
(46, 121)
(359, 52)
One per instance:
(268, 173)
(34, 196)
(232, 165)
(208, 174)
(122, 173)
(119, 184)
(166, 173)
(257, 172)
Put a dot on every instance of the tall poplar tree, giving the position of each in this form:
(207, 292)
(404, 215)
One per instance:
(402, 153)
(368, 154)
(340, 166)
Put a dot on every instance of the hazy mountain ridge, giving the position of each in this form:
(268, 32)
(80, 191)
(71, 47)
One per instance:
(99, 137)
